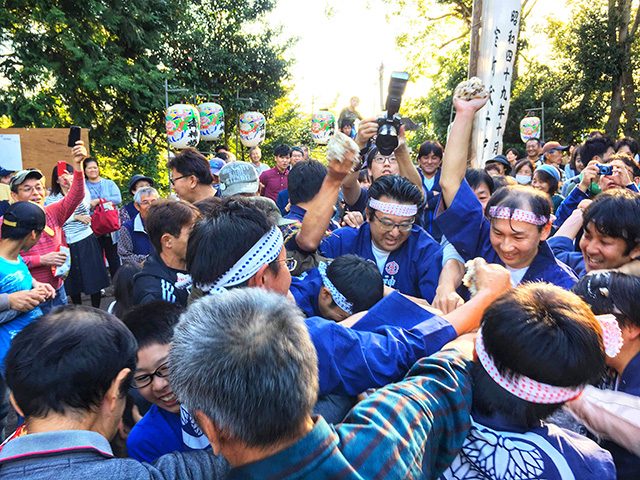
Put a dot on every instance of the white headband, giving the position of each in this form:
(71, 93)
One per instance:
(521, 386)
(338, 298)
(265, 251)
(398, 209)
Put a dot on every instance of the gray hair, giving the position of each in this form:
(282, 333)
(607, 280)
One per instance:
(245, 359)
(144, 192)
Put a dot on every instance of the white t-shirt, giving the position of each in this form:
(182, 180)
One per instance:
(428, 182)
(517, 274)
(381, 257)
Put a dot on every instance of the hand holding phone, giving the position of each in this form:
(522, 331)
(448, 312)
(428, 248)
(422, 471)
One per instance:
(62, 168)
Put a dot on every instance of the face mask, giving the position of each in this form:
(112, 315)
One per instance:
(523, 179)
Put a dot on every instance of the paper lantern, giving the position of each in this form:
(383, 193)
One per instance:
(183, 125)
(529, 128)
(323, 126)
(253, 128)
(211, 121)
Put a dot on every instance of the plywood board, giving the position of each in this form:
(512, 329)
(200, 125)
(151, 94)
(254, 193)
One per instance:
(42, 148)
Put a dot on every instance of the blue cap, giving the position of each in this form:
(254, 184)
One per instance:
(216, 164)
(4, 172)
(551, 170)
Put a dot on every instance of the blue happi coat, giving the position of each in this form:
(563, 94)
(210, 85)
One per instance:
(413, 269)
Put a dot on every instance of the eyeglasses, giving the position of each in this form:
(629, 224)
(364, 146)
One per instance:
(142, 381)
(290, 263)
(173, 180)
(380, 160)
(388, 225)
(38, 188)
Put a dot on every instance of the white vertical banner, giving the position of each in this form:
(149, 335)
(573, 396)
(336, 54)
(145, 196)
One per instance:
(498, 44)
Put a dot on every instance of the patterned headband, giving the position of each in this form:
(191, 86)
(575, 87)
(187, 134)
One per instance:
(265, 251)
(521, 386)
(393, 208)
(338, 298)
(506, 213)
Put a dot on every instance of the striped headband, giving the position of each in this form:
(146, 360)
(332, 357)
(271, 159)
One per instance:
(521, 386)
(265, 251)
(506, 213)
(340, 300)
(398, 209)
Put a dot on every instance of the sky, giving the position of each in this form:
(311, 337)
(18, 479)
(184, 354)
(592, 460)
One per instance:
(342, 43)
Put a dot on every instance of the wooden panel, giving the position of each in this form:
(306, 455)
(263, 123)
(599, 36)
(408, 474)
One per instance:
(42, 148)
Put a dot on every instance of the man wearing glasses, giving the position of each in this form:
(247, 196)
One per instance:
(191, 176)
(407, 257)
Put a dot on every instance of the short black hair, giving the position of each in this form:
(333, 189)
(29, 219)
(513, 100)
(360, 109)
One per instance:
(616, 213)
(537, 140)
(168, 216)
(630, 142)
(477, 176)
(221, 147)
(153, 323)
(611, 292)
(67, 360)
(531, 331)
(282, 151)
(594, 147)
(521, 197)
(219, 240)
(358, 280)
(396, 187)
(346, 122)
(191, 162)
(305, 180)
(429, 147)
(515, 151)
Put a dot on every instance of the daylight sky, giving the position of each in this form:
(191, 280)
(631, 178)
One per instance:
(343, 42)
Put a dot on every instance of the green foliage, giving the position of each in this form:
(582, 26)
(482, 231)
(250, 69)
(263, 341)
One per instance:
(103, 66)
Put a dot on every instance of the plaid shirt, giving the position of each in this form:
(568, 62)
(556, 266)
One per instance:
(411, 429)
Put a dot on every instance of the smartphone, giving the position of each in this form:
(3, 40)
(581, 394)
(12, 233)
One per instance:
(74, 136)
(62, 168)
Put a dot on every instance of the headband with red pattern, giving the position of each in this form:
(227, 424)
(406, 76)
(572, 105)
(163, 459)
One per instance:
(506, 213)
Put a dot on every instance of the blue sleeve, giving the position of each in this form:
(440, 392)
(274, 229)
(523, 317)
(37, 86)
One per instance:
(335, 244)
(385, 314)
(465, 226)
(430, 266)
(568, 205)
(112, 192)
(563, 249)
(633, 187)
(304, 291)
(351, 361)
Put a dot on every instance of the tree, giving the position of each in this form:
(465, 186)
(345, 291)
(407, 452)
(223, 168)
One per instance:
(103, 65)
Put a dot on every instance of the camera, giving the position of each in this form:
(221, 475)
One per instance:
(605, 169)
(389, 123)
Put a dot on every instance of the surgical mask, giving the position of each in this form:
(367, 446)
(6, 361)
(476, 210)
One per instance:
(523, 179)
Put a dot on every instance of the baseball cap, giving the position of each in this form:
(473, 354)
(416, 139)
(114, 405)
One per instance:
(138, 178)
(4, 172)
(24, 215)
(551, 170)
(237, 178)
(20, 177)
(216, 164)
(501, 159)
(553, 146)
(272, 210)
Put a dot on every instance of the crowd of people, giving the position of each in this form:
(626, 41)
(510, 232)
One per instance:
(377, 316)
